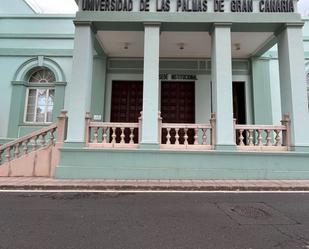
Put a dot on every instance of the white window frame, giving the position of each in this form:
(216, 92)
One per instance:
(36, 105)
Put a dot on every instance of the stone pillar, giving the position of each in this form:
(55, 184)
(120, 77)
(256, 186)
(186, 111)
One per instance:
(221, 74)
(151, 86)
(262, 92)
(293, 84)
(79, 99)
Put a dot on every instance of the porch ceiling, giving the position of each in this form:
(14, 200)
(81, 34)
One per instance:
(179, 44)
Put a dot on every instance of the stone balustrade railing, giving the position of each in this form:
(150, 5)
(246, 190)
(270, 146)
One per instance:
(34, 141)
(188, 136)
(111, 135)
(263, 137)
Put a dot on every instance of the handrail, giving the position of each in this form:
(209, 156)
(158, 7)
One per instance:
(23, 142)
(186, 126)
(29, 136)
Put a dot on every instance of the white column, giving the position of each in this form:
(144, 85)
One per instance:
(221, 73)
(150, 131)
(79, 99)
(293, 84)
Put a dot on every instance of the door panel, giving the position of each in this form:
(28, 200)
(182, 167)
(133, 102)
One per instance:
(178, 106)
(127, 103)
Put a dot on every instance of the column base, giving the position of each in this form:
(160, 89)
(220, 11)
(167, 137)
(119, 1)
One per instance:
(70, 144)
(300, 148)
(225, 147)
(149, 146)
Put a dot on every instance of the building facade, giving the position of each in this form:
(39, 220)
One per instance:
(159, 89)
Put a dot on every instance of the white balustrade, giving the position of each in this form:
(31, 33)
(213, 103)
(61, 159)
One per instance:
(186, 136)
(34, 141)
(111, 135)
(263, 137)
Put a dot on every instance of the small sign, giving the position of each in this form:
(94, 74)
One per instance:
(166, 76)
(97, 117)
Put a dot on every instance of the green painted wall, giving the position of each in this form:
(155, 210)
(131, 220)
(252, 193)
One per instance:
(98, 87)
(155, 164)
(25, 38)
(262, 91)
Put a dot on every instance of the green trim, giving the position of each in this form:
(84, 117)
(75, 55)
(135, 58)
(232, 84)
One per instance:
(160, 164)
(188, 21)
(300, 148)
(16, 109)
(174, 66)
(98, 47)
(37, 36)
(73, 145)
(224, 147)
(29, 84)
(146, 146)
(268, 44)
(21, 52)
(38, 16)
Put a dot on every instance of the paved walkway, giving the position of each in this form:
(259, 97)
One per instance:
(41, 183)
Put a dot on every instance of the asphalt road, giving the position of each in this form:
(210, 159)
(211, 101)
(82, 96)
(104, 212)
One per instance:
(153, 221)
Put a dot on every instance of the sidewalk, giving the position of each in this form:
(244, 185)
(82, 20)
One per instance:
(39, 183)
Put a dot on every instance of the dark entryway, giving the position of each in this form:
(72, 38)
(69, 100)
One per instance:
(127, 103)
(178, 106)
(239, 102)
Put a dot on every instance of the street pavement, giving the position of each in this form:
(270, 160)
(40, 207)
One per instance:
(154, 220)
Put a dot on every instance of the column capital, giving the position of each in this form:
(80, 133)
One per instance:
(219, 24)
(289, 25)
(85, 24)
(152, 24)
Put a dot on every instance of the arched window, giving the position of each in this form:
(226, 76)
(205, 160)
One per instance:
(40, 96)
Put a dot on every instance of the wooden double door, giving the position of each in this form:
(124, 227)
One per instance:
(177, 102)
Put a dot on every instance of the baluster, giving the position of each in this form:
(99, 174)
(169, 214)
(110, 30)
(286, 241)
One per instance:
(168, 136)
(52, 136)
(260, 143)
(278, 138)
(25, 147)
(114, 135)
(43, 139)
(95, 135)
(1, 153)
(8, 154)
(241, 138)
(122, 136)
(204, 137)
(104, 135)
(177, 136)
(186, 136)
(35, 143)
(251, 137)
(268, 138)
(131, 135)
(16, 150)
(196, 136)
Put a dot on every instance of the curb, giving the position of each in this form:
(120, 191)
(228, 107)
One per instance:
(153, 188)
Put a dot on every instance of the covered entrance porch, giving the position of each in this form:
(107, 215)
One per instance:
(144, 59)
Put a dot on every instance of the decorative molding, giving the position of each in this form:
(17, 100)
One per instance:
(21, 52)
(36, 36)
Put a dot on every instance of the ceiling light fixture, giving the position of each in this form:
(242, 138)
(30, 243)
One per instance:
(237, 46)
(181, 46)
(126, 45)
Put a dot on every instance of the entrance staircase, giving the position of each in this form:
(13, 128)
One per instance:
(36, 154)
